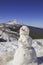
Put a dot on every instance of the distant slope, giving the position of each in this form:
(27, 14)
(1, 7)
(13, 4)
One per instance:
(36, 33)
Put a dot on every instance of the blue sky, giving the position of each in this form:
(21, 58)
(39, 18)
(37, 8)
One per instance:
(29, 12)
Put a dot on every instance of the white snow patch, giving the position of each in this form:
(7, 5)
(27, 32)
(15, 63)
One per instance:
(38, 47)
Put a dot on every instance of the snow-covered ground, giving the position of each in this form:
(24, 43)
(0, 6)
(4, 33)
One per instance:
(7, 51)
(38, 45)
(8, 48)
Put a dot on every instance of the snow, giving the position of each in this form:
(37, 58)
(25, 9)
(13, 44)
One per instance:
(38, 48)
(7, 49)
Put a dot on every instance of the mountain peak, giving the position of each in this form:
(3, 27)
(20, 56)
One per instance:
(13, 22)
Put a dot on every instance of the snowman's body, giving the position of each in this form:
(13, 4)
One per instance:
(25, 55)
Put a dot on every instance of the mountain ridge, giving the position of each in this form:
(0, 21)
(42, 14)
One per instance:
(14, 26)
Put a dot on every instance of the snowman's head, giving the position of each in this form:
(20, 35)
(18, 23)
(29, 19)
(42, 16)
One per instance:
(24, 30)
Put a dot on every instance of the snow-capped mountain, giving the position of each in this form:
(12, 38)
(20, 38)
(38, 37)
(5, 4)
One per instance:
(13, 22)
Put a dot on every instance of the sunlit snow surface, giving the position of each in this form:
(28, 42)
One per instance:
(8, 48)
(7, 51)
(38, 45)
(12, 46)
